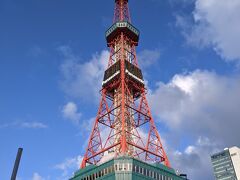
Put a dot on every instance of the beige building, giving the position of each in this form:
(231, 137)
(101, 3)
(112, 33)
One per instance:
(226, 164)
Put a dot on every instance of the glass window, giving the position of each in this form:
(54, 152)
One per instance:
(137, 169)
(116, 167)
(144, 172)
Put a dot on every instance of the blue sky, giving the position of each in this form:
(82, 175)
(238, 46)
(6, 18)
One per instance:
(52, 56)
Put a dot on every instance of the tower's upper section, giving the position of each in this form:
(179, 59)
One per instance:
(121, 12)
(122, 23)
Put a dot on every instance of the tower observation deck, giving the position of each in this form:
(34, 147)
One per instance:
(124, 136)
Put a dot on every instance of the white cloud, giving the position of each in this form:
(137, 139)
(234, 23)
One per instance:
(185, 84)
(28, 125)
(68, 166)
(195, 160)
(216, 24)
(82, 79)
(36, 176)
(34, 125)
(201, 102)
(70, 111)
(197, 105)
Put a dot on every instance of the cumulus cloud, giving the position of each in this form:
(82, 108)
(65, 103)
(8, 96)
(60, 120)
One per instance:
(70, 111)
(216, 24)
(195, 159)
(82, 79)
(68, 166)
(198, 104)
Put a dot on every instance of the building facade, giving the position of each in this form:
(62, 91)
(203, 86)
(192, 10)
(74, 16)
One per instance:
(127, 168)
(226, 164)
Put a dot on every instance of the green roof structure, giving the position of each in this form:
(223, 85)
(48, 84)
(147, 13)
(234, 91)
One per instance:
(126, 168)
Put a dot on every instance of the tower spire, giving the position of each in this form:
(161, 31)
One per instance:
(121, 12)
(123, 115)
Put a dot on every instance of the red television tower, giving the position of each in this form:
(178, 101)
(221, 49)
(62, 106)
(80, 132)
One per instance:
(123, 111)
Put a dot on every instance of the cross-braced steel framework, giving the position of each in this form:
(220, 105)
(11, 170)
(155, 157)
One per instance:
(124, 124)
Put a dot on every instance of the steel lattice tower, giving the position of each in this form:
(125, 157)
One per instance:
(123, 109)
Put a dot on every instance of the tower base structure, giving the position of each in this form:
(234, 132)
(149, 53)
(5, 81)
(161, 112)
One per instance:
(127, 168)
